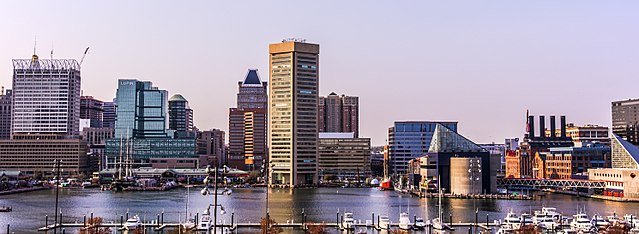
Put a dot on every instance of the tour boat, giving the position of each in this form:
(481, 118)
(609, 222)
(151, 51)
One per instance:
(132, 223)
(404, 221)
(581, 223)
(349, 221)
(599, 222)
(419, 223)
(384, 222)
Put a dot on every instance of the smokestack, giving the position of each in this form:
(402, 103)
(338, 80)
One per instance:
(553, 134)
(531, 127)
(542, 126)
(563, 126)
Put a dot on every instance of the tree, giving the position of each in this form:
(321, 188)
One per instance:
(316, 228)
(272, 229)
(398, 231)
(94, 227)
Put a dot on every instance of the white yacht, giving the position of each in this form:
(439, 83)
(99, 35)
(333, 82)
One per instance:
(419, 223)
(510, 223)
(349, 221)
(438, 223)
(599, 222)
(404, 221)
(205, 221)
(545, 221)
(384, 222)
(631, 221)
(581, 223)
(550, 212)
(132, 223)
(525, 220)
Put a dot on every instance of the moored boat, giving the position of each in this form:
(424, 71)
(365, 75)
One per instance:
(404, 221)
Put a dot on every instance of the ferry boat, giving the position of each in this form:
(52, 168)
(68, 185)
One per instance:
(581, 223)
(349, 221)
(132, 223)
(404, 221)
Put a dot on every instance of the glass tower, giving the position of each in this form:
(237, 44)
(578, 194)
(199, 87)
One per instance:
(141, 110)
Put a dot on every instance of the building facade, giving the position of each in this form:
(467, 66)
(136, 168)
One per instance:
(344, 157)
(339, 114)
(584, 135)
(6, 100)
(248, 124)
(46, 84)
(625, 119)
(180, 116)
(91, 109)
(408, 140)
(293, 103)
(210, 146)
(573, 162)
(108, 115)
(35, 156)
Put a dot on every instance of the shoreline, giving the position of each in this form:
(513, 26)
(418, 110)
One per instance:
(22, 190)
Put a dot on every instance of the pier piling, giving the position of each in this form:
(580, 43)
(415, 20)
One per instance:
(232, 218)
(121, 221)
(450, 219)
(46, 220)
(8, 228)
(486, 220)
(84, 220)
(162, 217)
(158, 221)
(373, 218)
(91, 216)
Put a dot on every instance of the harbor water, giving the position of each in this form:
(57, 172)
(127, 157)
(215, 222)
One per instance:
(248, 205)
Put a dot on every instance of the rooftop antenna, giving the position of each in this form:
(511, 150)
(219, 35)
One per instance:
(35, 43)
(51, 50)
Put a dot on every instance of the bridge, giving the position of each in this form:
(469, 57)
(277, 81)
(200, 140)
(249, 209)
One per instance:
(552, 183)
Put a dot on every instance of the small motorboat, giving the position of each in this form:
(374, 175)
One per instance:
(384, 222)
(599, 222)
(419, 223)
(581, 223)
(132, 223)
(6, 209)
(349, 221)
(404, 221)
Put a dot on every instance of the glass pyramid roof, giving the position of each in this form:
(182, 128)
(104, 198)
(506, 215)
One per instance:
(624, 154)
(446, 140)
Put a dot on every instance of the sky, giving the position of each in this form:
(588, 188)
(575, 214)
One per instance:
(482, 63)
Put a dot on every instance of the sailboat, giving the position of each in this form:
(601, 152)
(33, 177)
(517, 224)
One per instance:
(438, 223)
(189, 222)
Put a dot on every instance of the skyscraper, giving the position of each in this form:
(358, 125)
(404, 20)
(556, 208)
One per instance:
(141, 110)
(293, 103)
(91, 109)
(625, 120)
(339, 114)
(248, 124)
(108, 115)
(46, 84)
(6, 99)
(180, 116)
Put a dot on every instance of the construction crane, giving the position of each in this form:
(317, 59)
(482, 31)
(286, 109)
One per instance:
(84, 55)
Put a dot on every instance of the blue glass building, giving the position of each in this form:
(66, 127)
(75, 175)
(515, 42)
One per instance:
(409, 140)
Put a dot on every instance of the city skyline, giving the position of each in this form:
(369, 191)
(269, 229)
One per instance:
(538, 51)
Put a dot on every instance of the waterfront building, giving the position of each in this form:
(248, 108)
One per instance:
(248, 124)
(339, 114)
(625, 119)
(91, 109)
(624, 153)
(142, 135)
(584, 135)
(35, 156)
(180, 116)
(524, 156)
(211, 147)
(293, 102)
(46, 96)
(573, 162)
(6, 100)
(408, 140)
(620, 182)
(463, 166)
(377, 161)
(96, 139)
(108, 115)
(342, 156)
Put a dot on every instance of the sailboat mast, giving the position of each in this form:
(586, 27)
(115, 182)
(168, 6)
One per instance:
(119, 163)
(439, 186)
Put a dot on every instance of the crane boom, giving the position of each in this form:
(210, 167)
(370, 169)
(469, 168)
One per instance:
(84, 55)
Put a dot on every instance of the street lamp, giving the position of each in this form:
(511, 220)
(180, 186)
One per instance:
(475, 173)
(57, 193)
(205, 192)
(266, 169)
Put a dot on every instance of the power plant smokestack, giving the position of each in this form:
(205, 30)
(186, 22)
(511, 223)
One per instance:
(542, 126)
(553, 134)
(531, 126)
(563, 126)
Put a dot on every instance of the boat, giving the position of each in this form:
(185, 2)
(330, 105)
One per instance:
(550, 212)
(384, 222)
(545, 221)
(599, 222)
(631, 221)
(419, 223)
(205, 221)
(581, 223)
(438, 223)
(349, 221)
(189, 222)
(6, 209)
(510, 224)
(404, 221)
(132, 223)
(525, 219)
(386, 184)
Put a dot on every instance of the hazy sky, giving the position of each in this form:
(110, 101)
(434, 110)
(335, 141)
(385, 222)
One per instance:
(482, 63)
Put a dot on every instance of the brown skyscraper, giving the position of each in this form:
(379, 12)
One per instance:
(339, 114)
(247, 124)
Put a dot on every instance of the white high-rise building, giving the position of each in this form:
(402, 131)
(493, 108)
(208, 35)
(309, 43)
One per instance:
(46, 97)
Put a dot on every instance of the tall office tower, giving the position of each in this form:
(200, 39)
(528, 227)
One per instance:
(180, 116)
(108, 115)
(6, 98)
(293, 102)
(46, 97)
(339, 114)
(141, 110)
(91, 109)
(252, 91)
(248, 124)
(408, 140)
(625, 120)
